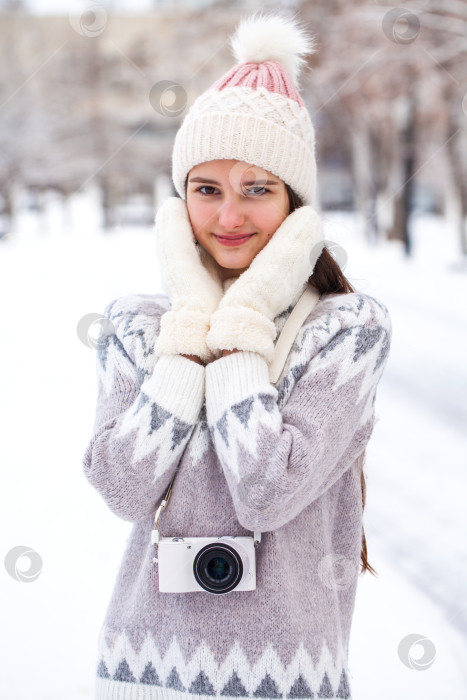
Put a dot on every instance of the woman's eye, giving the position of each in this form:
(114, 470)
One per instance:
(257, 190)
(204, 187)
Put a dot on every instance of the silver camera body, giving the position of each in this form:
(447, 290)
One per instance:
(211, 564)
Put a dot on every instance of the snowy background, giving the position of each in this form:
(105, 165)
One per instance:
(81, 107)
(59, 266)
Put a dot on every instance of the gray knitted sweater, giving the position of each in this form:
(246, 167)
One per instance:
(283, 460)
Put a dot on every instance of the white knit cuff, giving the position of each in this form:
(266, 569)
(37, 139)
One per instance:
(177, 384)
(232, 378)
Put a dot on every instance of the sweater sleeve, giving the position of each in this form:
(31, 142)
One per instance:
(141, 428)
(278, 461)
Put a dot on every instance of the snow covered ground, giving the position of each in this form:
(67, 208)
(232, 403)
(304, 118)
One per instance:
(59, 267)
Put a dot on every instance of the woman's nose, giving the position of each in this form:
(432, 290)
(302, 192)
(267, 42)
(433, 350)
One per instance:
(231, 215)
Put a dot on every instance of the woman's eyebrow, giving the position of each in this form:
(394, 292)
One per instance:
(250, 182)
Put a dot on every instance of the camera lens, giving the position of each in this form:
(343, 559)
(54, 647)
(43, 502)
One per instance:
(218, 568)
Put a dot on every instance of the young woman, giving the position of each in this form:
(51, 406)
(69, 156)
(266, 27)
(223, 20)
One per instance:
(185, 400)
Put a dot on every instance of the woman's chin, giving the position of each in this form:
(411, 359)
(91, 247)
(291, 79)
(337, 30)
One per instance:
(233, 261)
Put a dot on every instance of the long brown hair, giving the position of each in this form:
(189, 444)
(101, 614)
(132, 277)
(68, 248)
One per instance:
(328, 278)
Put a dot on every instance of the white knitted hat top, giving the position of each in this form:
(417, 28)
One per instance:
(254, 113)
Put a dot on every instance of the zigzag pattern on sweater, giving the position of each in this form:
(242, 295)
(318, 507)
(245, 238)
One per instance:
(256, 413)
(136, 320)
(234, 677)
(145, 421)
(323, 324)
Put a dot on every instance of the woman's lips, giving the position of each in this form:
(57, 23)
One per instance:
(229, 242)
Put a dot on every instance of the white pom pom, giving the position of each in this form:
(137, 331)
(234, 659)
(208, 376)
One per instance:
(272, 37)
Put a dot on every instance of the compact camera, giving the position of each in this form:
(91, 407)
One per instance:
(212, 564)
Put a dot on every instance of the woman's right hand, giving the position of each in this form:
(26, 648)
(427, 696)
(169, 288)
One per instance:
(190, 281)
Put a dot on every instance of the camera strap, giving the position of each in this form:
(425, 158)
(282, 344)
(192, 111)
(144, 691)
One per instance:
(286, 339)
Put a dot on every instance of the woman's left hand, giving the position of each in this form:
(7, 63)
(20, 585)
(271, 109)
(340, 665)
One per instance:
(245, 316)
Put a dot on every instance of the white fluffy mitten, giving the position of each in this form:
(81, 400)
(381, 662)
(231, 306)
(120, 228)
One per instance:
(190, 279)
(245, 317)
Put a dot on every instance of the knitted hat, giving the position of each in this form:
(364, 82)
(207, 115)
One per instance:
(254, 113)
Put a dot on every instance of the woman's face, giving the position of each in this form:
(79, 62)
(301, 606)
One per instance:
(234, 208)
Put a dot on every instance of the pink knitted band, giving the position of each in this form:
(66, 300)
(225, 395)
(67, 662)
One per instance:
(269, 74)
